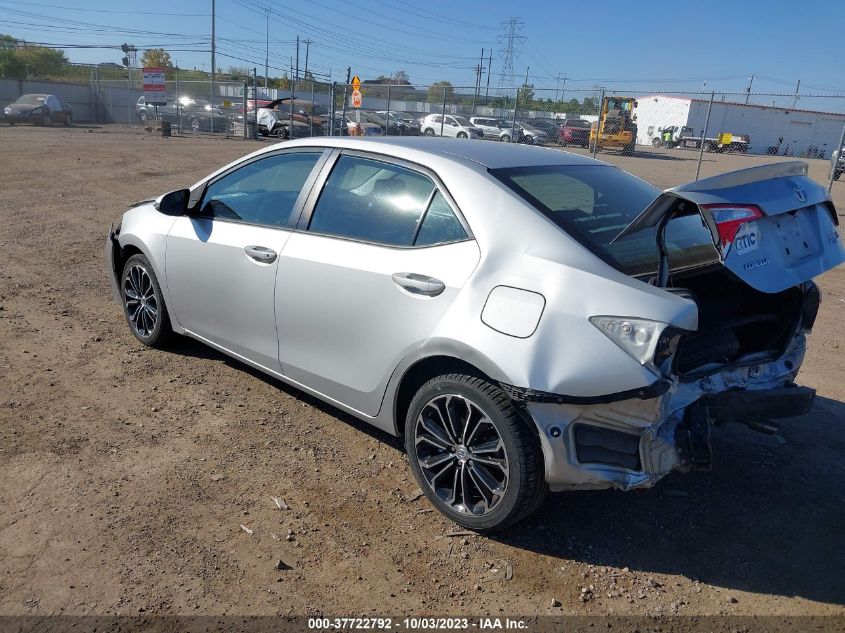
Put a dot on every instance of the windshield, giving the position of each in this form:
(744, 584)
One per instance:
(32, 99)
(462, 121)
(594, 203)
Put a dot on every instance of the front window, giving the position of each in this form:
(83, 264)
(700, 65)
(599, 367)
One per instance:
(594, 203)
(462, 121)
(261, 192)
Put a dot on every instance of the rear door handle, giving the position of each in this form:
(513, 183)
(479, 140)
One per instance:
(261, 254)
(419, 284)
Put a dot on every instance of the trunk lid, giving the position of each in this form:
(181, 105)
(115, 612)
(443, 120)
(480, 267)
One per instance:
(773, 227)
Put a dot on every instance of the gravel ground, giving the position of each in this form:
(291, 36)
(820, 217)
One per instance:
(142, 481)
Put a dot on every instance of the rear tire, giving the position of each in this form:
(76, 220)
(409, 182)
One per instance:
(429, 131)
(68, 119)
(143, 303)
(505, 138)
(480, 465)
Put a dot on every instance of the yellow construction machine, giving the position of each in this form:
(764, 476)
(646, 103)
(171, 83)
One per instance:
(616, 127)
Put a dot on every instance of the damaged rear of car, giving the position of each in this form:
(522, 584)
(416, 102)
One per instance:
(740, 252)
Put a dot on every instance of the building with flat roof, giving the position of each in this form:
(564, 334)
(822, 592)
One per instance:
(772, 129)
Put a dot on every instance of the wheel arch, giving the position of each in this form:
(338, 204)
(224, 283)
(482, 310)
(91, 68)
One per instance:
(443, 357)
(128, 245)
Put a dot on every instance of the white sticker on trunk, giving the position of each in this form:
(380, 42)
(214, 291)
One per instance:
(746, 239)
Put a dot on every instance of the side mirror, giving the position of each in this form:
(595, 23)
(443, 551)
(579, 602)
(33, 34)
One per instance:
(173, 203)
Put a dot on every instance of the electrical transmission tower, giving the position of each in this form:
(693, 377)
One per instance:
(509, 41)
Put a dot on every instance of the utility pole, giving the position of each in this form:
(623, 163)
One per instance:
(267, 46)
(748, 90)
(296, 71)
(480, 70)
(795, 100)
(489, 70)
(213, 60)
(307, 41)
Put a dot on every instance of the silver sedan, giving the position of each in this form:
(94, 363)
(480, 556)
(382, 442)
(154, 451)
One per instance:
(527, 319)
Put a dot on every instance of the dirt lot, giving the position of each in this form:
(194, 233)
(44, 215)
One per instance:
(126, 474)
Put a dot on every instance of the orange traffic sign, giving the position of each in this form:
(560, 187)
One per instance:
(356, 83)
(356, 98)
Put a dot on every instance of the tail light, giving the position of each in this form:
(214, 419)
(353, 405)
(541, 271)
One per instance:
(729, 218)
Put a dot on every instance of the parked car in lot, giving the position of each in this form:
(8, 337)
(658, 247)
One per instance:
(275, 118)
(401, 123)
(189, 112)
(522, 132)
(490, 127)
(575, 132)
(435, 289)
(345, 127)
(449, 125)
(38, 109)
(550, 126)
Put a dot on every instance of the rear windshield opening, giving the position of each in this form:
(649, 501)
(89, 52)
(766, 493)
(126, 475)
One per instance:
(593, 203)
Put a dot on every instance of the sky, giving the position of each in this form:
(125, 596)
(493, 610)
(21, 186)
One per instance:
(645, 45)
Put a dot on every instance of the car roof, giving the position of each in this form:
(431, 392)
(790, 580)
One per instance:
(485, 153)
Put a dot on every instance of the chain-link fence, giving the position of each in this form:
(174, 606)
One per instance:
(637, 123)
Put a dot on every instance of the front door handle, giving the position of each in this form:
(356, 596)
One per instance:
(419, 284)
(261, 254)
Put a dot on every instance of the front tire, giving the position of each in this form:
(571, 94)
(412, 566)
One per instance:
(143, 303)
(505, 138)
(472, 454)
(462, 135)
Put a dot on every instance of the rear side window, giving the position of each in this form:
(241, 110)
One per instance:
(594, 203)
(439, 224)
(373, 201)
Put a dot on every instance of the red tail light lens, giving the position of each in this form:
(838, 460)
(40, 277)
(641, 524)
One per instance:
(728, 219)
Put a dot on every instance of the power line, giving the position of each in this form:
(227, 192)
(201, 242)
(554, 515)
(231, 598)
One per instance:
(110, 11)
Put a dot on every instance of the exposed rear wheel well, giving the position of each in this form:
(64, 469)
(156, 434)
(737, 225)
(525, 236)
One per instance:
(420, 373)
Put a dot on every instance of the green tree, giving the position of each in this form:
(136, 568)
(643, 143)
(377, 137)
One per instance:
(525, 95)
(435, 91)
(30, 61)
(156, 58)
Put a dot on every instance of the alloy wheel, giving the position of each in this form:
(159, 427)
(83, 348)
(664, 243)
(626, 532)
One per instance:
(140, 299)
(461, 454)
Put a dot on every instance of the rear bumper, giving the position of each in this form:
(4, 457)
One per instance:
(633, 443)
